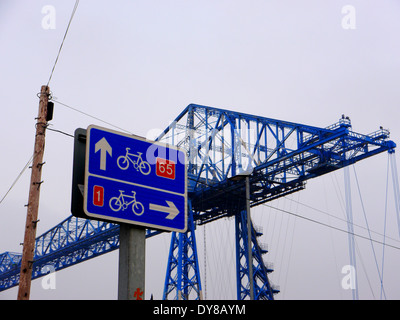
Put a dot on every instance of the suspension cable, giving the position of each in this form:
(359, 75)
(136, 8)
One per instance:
(384, 224)
(369, 231)
(392, 157)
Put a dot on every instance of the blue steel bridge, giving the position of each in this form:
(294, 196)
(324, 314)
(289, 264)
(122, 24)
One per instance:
(220, 145)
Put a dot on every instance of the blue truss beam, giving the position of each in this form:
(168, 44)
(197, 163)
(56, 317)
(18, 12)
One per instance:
(72, 241)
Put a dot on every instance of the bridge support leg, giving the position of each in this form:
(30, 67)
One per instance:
(263, 290)
(182, 280)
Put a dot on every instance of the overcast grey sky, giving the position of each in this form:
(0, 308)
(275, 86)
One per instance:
(137, 64)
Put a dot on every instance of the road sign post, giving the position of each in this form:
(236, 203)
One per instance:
(134, 182)
(131, 268)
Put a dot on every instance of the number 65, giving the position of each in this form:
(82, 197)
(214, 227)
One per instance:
(165, 168)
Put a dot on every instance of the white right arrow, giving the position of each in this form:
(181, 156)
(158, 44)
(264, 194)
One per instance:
(171, 209)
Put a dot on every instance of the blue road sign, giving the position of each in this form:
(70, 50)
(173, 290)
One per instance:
(129, 179)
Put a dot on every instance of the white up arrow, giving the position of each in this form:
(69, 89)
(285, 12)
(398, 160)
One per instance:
(171, 209)
(104, 148)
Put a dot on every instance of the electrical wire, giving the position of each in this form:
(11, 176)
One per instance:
(62, 43)
(51, 75)
(59, 131)
(332, 227)
(18, 177)
(341, 219)
(91, 116)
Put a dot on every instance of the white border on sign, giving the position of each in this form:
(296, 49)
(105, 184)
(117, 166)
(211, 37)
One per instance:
(111, 219)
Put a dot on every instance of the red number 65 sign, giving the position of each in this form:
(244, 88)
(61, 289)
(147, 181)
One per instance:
(165, 168)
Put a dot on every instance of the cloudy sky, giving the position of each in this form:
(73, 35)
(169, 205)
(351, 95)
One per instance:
(137, 64)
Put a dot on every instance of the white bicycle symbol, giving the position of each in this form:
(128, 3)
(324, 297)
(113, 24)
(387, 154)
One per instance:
(140, 165)
(120, 202)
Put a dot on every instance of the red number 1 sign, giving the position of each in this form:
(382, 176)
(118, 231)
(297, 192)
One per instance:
(98, 196)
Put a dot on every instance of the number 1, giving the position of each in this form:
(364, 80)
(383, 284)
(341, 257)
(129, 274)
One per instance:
(98, 196)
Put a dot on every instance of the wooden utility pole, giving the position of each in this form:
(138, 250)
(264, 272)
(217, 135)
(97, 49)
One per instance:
(33, 202)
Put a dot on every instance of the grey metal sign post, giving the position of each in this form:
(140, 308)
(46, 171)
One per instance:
(132, 266)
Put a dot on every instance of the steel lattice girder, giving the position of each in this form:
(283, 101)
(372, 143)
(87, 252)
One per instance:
(72, 241)
(219, 144)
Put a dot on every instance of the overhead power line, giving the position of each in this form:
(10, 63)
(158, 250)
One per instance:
(60, 131)
(340, 219)
(91, 116)
(16, 180)
(332, 227)
(62, 43)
